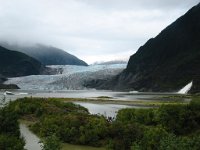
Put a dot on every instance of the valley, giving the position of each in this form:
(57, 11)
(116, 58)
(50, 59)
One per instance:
(138, 87)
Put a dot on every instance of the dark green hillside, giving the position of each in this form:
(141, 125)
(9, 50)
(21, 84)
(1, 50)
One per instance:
(2, 79)
(47, 55)
(14, 64)
(167, 62)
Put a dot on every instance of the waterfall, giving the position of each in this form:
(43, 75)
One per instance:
(186, 88)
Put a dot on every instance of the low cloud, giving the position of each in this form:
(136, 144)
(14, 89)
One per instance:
(90, 29)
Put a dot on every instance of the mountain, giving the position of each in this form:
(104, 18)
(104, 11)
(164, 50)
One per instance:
(167, 62)
(47, 55)
(2, 79)
(13, 64)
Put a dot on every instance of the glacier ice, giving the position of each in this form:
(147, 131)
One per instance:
(72, 77)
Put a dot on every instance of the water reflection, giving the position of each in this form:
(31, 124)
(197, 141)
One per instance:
(107, 110)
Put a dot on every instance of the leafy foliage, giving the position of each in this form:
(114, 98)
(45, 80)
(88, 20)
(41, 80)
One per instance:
(51, 143)
(9, 130)
(8, 122)
(10, 142)
(167, 127)
(172, 142)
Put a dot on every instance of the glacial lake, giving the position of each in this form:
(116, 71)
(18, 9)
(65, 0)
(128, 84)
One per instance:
(102, 109)
(86, 94)
(107, 110)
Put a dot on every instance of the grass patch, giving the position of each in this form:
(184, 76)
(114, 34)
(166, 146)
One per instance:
(147, 103)
(104, 97)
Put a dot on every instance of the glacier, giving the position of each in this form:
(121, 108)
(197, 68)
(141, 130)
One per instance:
(70, 78)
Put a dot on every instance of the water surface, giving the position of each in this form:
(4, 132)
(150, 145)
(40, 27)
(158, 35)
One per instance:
(86, 94)
(107, 110)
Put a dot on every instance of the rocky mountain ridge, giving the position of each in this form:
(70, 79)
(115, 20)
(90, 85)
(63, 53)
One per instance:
(167, 62)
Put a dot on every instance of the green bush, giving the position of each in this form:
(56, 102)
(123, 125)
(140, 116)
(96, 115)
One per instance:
(8, 142)
(142, 116)
(9, 130)
(172, 117)
(172, 142)
(51, 143)
(152, 137)
(9, 122)
(123, 135)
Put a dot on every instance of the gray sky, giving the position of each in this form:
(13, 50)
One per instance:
(93, 30)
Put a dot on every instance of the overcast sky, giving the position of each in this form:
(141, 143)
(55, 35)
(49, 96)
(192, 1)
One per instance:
(93, 30)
